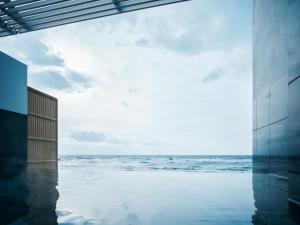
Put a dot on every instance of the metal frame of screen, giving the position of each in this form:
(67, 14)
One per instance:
(20, 16)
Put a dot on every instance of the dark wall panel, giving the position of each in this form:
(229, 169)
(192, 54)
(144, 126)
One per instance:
(271, 200)
(294, 140)
(13, 139)
(279, 148)
(13, 126)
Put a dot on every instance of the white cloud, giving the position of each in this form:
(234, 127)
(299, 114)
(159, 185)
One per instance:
(145, 71)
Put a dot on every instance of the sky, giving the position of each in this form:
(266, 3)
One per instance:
(175, 79)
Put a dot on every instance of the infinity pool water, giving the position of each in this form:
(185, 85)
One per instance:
(154, 190)
(144, 190)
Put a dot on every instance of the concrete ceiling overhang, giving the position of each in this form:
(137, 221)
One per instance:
(20, 16)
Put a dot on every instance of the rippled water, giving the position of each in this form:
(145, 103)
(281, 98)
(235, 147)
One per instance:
(155, 190)
(161, 163)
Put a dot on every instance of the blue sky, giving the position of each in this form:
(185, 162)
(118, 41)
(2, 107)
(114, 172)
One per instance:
(170, 80)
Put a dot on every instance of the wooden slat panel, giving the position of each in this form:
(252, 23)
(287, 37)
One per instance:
(42, 127)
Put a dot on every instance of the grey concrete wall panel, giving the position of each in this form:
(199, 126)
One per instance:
(294, 39)
(276, 92)
(279, 98)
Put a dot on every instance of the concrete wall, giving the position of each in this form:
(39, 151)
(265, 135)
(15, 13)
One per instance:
(13, 85)
(276, 108)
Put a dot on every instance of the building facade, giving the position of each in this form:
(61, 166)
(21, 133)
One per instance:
(276, 106)
(13, 112)
(28, 118)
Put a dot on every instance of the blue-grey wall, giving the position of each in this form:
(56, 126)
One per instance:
(13, 114)
(276, 92)
(270, 84)
(294, 99)
(13, 85)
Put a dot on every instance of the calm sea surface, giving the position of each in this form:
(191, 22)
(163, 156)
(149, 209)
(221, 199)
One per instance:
(155, 190)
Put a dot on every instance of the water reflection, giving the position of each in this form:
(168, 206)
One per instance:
(271, 196)
(28, 194)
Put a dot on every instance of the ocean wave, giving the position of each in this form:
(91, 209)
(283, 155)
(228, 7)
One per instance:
(161, 163)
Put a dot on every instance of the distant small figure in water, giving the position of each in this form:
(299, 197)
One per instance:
(170, 158)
